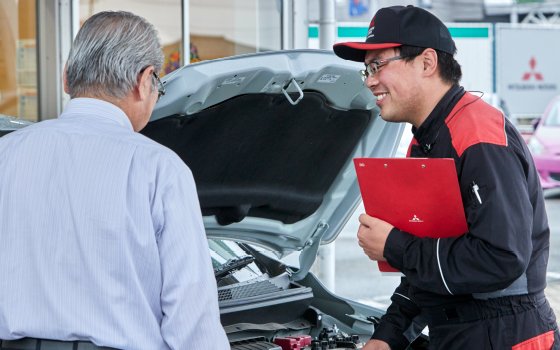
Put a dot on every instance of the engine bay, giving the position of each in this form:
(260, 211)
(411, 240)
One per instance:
(262, 307)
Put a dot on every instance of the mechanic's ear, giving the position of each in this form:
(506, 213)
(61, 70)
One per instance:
(430, 61)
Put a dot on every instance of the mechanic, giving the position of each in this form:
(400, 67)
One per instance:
(103, 244)
(483, 289)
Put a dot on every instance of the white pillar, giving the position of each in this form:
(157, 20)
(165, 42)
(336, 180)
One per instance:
(513, 16)
(325, 266)
(287, 24)
(186, 40)
(54, 39)
(301, 25)
(327, 24)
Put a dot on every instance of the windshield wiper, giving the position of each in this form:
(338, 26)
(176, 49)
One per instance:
(231, 266)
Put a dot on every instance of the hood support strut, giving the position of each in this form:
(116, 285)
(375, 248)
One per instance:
(309, 253)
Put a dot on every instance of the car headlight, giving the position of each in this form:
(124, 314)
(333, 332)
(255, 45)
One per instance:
(536, 147)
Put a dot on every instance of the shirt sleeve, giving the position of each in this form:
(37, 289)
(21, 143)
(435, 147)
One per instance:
(402, 323)
(189, 296)
(496, 249)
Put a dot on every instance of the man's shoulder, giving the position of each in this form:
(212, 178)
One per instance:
(154, 149)
(12, 136)
(152, 152)
(473, 121)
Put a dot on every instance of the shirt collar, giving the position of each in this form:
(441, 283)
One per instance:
(96, 108)
(427, 132)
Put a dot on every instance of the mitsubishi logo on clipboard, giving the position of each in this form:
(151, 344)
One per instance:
(416, 219)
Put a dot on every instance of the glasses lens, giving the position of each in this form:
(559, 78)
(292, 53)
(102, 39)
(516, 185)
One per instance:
(372, 69)
(364, 75)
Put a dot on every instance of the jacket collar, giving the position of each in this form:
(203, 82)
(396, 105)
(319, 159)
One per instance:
(427, 133)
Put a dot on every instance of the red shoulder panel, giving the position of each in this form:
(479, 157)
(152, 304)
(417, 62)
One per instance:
(476, 123)
(413, 142)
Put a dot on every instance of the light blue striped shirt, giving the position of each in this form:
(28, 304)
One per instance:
(101, 237)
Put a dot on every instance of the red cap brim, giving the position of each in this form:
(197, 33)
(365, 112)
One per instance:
(357, 51)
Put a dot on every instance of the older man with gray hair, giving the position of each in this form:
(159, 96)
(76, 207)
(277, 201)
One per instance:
(103, 244)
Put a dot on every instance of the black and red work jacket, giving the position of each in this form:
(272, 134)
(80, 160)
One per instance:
(504, 252)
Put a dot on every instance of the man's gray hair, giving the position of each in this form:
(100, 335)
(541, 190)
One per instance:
(109, 52)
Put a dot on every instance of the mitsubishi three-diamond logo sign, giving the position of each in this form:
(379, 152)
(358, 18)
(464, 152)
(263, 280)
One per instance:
(532, 79)
(532, 73)
(526, 73)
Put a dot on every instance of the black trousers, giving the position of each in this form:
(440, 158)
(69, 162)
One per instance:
(520, 322)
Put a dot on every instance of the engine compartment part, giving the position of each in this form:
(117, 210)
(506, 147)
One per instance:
(293, 342)
(232, 266)
(264, 301)
(254, 344)
(329, 338)
(302, 339)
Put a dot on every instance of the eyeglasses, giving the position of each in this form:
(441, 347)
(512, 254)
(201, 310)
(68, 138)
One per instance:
(161, 89)
(373, 67)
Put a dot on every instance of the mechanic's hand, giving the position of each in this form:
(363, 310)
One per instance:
(375, 344)
(372, 236)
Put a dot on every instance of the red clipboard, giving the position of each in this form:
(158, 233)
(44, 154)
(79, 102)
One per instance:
(420, 196)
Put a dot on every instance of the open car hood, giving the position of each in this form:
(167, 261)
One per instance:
(273, 165)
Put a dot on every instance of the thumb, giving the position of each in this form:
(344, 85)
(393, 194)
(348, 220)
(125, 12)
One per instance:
(366, 220)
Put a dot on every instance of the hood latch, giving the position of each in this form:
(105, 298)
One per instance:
(288, 96)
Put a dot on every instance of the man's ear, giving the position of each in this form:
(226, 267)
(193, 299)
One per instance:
(430, 61)
(145, 83)
(64, 81)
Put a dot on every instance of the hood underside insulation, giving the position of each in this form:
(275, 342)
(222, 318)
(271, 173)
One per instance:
(258, 155)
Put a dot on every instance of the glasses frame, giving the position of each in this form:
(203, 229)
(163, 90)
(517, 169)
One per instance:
(161, 89)
(369, 71)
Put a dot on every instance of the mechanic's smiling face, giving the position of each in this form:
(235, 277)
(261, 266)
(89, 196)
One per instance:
(397, 86)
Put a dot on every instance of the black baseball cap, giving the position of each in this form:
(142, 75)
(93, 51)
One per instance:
(396, 26)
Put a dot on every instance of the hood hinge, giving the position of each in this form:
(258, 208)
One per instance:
(309, 253)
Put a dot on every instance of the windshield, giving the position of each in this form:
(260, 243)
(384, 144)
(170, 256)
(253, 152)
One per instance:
(553, 117)
(225, 254)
